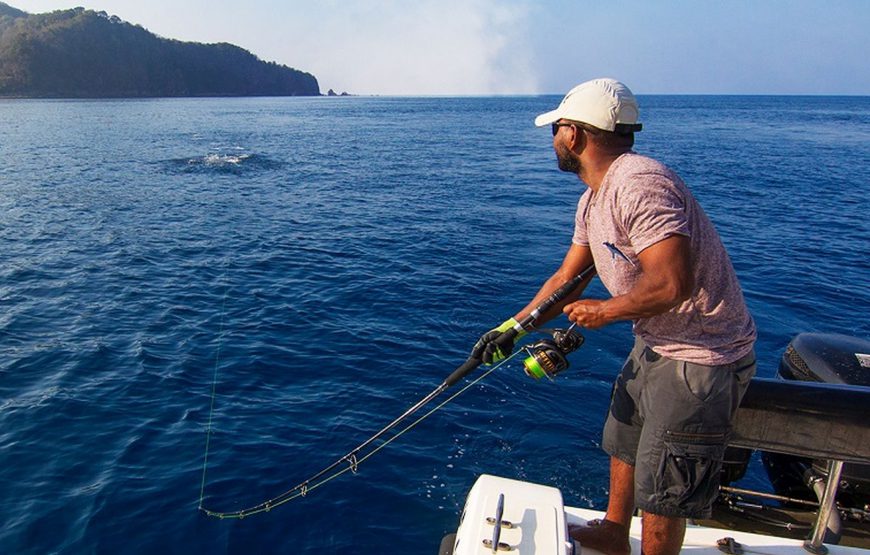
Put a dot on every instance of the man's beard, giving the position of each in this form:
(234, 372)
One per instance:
(567, 163)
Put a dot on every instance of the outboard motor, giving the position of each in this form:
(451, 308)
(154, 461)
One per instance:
(825, 358)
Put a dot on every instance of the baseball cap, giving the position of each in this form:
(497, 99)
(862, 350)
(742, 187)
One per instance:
(604, 103)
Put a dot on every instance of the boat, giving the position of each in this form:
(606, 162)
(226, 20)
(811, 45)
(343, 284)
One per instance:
(814, 416)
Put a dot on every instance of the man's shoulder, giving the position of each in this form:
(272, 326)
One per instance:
(633, 164)
(638, 179)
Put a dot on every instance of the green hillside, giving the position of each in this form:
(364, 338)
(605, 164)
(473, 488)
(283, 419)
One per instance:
(81, 53)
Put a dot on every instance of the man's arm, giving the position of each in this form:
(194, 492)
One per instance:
(576, 260)
(666, 280)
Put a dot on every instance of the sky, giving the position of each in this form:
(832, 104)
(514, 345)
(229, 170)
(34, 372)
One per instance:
(486, 47)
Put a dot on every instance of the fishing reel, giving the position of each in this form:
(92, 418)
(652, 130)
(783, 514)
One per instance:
(548, 357)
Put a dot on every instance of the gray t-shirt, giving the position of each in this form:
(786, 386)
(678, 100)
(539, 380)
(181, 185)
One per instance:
(641, 202)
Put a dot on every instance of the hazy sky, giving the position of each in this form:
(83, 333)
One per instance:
(412, 47)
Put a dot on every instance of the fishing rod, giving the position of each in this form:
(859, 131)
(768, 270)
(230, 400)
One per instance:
(545, 358)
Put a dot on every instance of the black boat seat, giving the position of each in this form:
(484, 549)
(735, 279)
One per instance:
(808, 419)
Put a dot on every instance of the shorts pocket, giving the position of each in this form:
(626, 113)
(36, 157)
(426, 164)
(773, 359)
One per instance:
(688, 475)
(704, 381)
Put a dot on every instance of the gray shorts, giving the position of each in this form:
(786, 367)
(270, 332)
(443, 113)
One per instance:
(671, 420)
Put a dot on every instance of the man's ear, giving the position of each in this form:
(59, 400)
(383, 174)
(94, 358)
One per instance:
(578, 139)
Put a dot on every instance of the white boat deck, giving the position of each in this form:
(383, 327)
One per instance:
(535, 522)
(702, 540)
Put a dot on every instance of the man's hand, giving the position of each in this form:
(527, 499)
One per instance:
(588, 313)
(495, 345)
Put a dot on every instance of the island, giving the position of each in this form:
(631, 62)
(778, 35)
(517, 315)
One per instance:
(79, 53)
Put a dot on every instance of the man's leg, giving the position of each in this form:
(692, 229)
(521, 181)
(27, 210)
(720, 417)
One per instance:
(662, 535)
(611, 535)
(687, 410)
(621, 435)
(620, 505)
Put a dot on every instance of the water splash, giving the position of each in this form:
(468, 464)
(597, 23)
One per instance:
(221, 162)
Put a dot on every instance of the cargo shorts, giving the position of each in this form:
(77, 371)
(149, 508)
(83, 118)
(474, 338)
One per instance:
(671, 420)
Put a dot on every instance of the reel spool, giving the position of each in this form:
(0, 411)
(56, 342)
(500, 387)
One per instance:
(548, 357)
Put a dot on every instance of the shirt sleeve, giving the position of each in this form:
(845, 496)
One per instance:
(580, 236)
(651, 210)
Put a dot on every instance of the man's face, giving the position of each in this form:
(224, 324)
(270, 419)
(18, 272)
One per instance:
(568, 162)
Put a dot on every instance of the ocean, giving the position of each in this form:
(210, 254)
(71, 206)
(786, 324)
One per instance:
(311, 267)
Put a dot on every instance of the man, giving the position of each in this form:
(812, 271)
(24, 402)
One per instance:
(662, 261)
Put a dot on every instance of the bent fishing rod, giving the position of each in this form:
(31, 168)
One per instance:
(546, 358)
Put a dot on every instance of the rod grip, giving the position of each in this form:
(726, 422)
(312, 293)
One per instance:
(557, 296)
(462, 371)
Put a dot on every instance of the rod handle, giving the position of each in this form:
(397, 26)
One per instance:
(531, 321)
(462, 371)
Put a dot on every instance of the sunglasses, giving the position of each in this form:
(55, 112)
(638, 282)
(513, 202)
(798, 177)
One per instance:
(557, 125)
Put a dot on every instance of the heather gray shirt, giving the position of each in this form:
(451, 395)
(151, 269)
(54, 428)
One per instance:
(641, 202)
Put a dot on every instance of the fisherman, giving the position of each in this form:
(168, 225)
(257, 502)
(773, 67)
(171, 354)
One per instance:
(666, 270)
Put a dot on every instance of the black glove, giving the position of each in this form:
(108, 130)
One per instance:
(496, 345)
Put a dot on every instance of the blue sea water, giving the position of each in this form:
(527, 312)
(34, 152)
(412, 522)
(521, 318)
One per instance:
(322, 264)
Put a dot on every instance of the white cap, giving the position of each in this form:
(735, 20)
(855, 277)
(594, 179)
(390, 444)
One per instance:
(603, 103)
